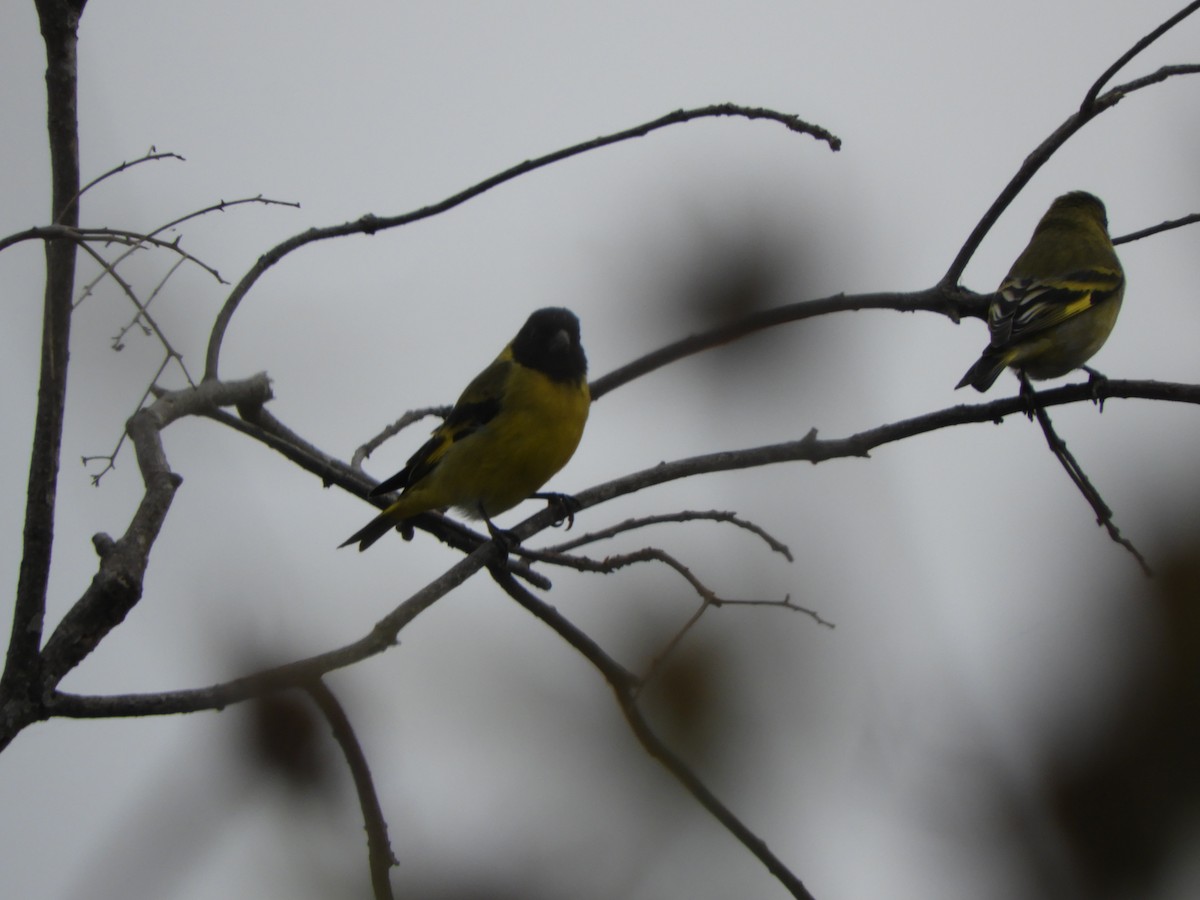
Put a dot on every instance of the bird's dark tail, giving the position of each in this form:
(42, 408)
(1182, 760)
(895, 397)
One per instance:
(371, 532)
(984, 373)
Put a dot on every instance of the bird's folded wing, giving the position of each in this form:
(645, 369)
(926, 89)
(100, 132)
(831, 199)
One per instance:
(1026, 306)
(476, 407)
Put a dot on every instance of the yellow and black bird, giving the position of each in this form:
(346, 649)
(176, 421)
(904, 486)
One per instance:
(515, 425)
(1059, 301)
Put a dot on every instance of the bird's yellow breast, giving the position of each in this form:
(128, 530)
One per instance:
(498, 465)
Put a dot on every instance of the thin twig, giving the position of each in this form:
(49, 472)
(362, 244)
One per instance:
(711, 515)
(656, 554)
(1104, 515)
(785, 603)
(142, 311)
(1090, 99)
(1158, 76)
(413, 415)
(118, 339)
(705, 605)
(708, 597)
(676, 639)
(151, 156)
(379, 849)
(120, 236)
(220, 206)
(151, 389)
(1157, 229)
(624, 686)
(611, 564)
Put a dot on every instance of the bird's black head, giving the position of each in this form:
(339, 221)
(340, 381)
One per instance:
(549, 342)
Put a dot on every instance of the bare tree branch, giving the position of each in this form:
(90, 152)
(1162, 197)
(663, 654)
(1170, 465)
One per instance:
(1157, 229)
(132, 239)
(379, 849)
(409, 418)
(945, 299)
(151, 156)
(296, 674)
(1090, 99)
(117, 586)
(111, 458)
(142, 312)
(20, 682)
(808, 449)
(708, 597)
(625, 686)
(28, 685)
(118, 340)
(370, 224)
(812, 449)
(220, 206)
(1104, 514)
(714, 601)
(1093, 104)
(711, 515)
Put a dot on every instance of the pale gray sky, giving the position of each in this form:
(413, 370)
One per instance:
(966, 576)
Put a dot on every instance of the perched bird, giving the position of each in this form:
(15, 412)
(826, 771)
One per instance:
(515, 425)
(1059, 301)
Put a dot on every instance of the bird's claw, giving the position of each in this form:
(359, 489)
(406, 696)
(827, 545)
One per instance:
(1029, 396)
(1095, 381)
(565, 506)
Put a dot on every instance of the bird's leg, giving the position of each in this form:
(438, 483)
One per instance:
(502, 536)
(1028, 394)
(565, 506)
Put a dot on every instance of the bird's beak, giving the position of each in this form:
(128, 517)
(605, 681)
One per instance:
(561, 341)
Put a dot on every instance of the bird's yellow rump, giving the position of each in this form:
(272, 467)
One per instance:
(1059, 301)
(515, 425)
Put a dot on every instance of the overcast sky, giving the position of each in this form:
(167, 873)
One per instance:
(970, 587)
